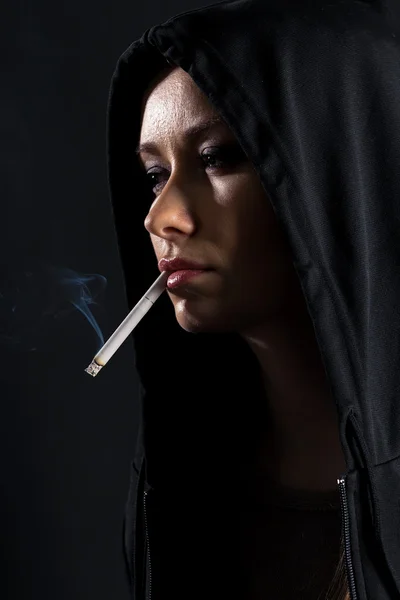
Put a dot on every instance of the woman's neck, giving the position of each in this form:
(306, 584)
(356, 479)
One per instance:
(301, 446)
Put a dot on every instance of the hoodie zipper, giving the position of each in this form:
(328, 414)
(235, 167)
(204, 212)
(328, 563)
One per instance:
(148, 595)
(346, 530)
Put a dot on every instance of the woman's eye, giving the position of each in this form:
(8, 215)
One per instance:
(152, 182)
(213, 158)
(223, 157)
(216, 159)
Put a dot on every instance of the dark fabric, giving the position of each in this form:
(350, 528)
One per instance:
(311, 90)
(290, 542)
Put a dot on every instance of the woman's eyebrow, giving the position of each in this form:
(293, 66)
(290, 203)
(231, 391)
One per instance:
(190, 133)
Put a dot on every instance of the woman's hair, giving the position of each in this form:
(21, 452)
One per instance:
(338, 589)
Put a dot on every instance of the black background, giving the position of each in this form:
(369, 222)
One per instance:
(66, 439)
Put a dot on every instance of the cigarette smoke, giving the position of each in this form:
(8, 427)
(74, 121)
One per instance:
(33, 300)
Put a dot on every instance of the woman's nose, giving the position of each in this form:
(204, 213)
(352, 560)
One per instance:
(170, 215)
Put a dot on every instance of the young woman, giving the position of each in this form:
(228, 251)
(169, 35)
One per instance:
(252, 154)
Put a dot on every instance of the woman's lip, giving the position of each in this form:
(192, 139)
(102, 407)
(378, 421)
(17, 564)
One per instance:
(180, 277)
(179, 264)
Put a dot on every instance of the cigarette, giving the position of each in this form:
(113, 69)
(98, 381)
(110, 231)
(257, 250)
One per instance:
(128, 324)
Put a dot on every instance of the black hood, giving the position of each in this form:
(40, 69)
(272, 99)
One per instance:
(312, 92)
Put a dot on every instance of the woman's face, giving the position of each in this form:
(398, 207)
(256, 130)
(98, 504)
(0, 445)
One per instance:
(210, 207)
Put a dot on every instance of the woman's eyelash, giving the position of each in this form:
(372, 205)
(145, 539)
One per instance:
(220, 157)
(226, 155)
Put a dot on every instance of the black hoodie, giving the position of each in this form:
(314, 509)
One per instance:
(311, 90)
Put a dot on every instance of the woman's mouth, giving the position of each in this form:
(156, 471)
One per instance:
(178, 278)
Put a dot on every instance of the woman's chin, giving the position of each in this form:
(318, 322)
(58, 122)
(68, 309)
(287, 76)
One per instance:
(199, 319)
